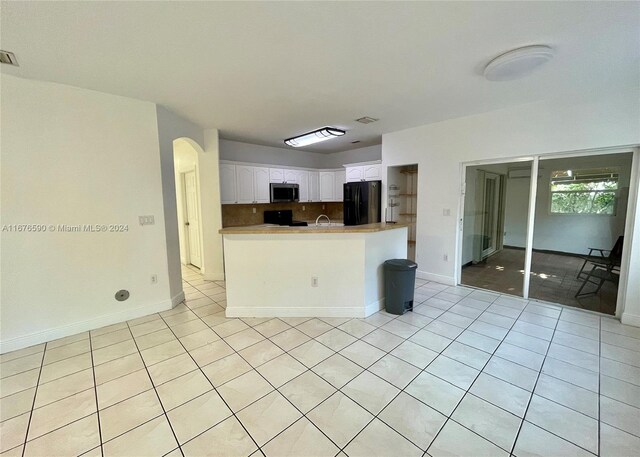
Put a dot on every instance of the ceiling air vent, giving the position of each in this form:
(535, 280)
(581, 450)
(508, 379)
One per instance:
(8, 58)
(366, 120)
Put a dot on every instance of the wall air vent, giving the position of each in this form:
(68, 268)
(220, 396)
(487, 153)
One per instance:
(8, 58)
(366, 120)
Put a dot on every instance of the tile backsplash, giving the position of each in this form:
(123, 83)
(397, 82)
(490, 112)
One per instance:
(239, 215)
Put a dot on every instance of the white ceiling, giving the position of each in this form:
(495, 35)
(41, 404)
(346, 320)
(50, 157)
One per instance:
(265, 71)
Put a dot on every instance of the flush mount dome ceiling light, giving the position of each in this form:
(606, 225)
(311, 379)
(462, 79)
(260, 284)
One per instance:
(517, 63)
(323, 134)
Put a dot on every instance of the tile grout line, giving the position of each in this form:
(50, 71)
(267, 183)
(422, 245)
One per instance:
(233, 413)
(531, 399)
(157, 395)
(95, 392)
(376, 416)
(467, 391)
(35, 394)
(306, 370)
(377, 327)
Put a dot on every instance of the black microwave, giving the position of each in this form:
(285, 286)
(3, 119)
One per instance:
(284, 192)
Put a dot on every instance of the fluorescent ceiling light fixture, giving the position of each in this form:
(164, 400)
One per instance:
(323, 134)
(517, 63)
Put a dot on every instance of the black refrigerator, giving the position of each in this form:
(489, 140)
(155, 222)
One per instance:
(362, 202)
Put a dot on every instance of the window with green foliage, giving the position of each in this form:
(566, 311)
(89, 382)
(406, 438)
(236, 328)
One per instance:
(591, 191)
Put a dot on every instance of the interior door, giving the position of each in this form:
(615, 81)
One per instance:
(192, 218)
(491, 214)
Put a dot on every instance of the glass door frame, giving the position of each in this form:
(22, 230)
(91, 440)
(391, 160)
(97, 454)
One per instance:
(535, 160)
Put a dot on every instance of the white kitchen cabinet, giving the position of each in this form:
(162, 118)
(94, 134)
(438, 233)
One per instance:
(327, 185)
(276, 175)
(252, 184)
(261, 185)
(371, 172)
(340, 179)
(228, 184)
(354, 174)
(314, 189)
(302, 178)
(291, 176)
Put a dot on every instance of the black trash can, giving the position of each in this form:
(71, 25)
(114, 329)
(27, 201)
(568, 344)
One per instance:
(399, 284)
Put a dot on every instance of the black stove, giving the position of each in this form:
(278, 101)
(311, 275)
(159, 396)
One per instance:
(282, 217)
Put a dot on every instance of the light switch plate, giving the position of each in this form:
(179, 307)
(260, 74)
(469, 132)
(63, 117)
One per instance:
(146, 220)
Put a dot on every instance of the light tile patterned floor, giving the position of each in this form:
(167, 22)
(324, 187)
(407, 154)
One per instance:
(467, 373)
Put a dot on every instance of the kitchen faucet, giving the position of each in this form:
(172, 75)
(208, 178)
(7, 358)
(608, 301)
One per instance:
(323, 215)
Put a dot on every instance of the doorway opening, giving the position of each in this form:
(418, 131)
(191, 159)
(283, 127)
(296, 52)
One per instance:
(402, 204)
(188, 203)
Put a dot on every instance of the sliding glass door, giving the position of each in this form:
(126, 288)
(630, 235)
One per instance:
(578, 233)
(564, 245)
(493, 230)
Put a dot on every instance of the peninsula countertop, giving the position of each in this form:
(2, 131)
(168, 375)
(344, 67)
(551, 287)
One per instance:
(268, 229)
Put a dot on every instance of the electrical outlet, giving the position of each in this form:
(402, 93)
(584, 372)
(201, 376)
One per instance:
(302, 207)
(446, 212)
(445, 258)
(322, 206)
(314, 281)
(254, 211)
(154, 279)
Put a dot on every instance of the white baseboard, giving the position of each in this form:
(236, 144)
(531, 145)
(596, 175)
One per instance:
(447, 280)
(630, 319)
(213, 276)
(177, 299)
(21, 342)
(374, 307)
(302, 311)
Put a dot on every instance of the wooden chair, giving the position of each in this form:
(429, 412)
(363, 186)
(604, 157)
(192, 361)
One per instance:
(612, 259)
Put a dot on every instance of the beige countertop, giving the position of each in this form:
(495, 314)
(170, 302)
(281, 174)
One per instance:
(276, 229)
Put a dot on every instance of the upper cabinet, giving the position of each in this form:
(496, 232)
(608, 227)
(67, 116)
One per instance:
(331, 185)
(314, 186)
(276, 175)
(327, 186)
(283, 175)
(340, 180)
(228, 192)
(367, 172)
(302, 179)
(252, 184)
(248, 183)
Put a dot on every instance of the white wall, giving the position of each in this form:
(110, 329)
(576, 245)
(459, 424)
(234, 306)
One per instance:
(365, 154)
(209, 161)
(74, 156)
(539, 128)
(255, 153)
(170, 127)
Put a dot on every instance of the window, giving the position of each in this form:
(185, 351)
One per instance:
(592, 191)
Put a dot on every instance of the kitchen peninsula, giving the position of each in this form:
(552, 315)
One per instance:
(314, 271)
